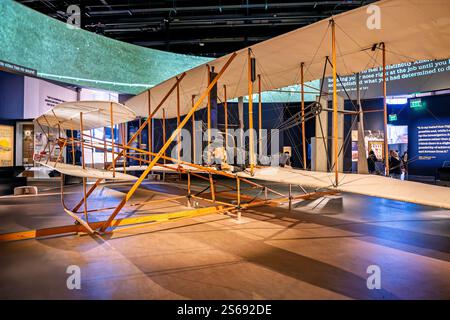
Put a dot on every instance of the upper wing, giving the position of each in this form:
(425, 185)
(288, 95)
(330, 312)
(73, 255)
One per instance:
(96, 114)
(370, 185)
(411, 29)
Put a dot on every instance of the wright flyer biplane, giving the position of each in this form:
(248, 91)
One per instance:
(345, 44)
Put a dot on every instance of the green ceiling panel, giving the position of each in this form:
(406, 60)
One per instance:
(33, 40)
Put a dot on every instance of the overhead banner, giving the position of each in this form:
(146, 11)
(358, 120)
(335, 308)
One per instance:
(8, 66)
(402, 79)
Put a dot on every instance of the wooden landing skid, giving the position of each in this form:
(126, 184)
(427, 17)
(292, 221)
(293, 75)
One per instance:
(116, 224)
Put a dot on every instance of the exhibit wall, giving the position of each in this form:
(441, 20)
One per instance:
(11, 96)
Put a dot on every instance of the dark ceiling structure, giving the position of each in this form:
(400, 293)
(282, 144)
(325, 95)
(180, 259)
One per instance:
(208, 28)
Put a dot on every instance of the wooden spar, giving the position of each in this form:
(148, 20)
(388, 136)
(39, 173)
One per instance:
(302, 84)
(260, 142)
(225, 111)
(60, 153)
(386, 146)
(82, 141)
(178, 123)
(46, 136)
(162, 151)
(132, 139)
(112, 139)
(150, 126)
(335, 113)
(250, 110)
(194, 149)
(51, 152)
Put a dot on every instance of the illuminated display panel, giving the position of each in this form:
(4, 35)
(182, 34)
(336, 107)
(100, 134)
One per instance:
(6, 146)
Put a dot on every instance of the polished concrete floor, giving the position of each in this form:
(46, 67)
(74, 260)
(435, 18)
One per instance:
(319, 250)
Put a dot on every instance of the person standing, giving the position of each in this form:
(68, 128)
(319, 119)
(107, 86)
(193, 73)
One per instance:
(405, 164)
(395, 164)
(285, 159)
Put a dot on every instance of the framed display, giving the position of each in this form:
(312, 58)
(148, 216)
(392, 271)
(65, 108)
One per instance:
(6, 146)
(378, 148)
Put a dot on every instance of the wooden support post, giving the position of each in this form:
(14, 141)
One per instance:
(139, 142)
(162, 151)
(112, 138)
(189, 188)
(260, 142)
(302, 84)
(213, 191)
(194, 148)
(73, 147)
(83, 164)
(123, 126)
(149, 126)
(225, 111)
(105, 151)
(335, 106)
(290, 197)
(238, 196)
(250, 111)
(386, 146)
(178, 123)
(164, 137)
(208, 120)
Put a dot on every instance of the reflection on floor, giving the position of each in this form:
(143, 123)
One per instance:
(319, 250)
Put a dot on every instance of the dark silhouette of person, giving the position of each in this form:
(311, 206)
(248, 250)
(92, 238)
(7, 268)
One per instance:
(371, 162)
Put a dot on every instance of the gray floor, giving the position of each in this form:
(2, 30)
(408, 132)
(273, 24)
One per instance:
(319, 250)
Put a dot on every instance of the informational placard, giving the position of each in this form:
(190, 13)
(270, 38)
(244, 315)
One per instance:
(433, 141)
(6, 146)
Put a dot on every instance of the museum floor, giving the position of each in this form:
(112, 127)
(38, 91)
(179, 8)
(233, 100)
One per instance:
(319, 250)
